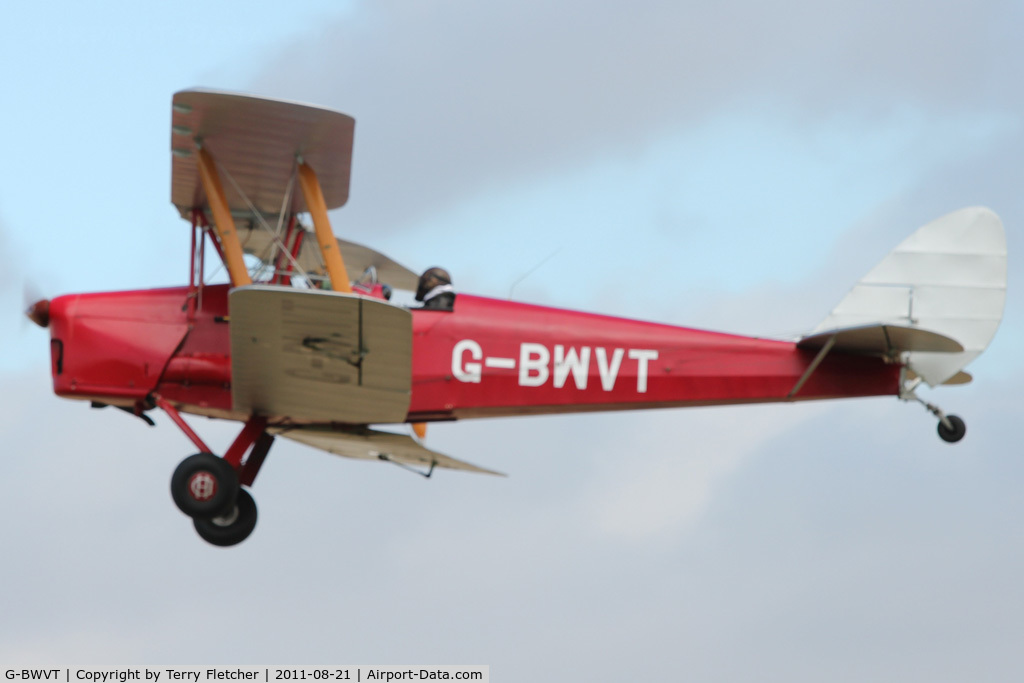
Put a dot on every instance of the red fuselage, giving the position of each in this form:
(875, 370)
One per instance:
(486, 358)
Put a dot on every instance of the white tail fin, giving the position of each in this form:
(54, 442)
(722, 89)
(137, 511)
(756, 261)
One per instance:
(949, 277)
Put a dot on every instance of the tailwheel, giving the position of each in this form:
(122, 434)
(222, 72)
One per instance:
(232, 527)
(951, 428)
(204, 486)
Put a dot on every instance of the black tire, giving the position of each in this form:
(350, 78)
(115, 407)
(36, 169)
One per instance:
(956, 433)
(204, 486)
(230, 529)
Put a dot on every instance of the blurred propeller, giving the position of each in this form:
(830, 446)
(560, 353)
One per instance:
(37, 309)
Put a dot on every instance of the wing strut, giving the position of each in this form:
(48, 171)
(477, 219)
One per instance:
(314, 197)
(223, 222)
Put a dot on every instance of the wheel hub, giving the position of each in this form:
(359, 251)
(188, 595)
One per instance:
(202, 486)
(228, 519)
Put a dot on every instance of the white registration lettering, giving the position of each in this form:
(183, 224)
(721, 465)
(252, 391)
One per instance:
(536, 364)
(642, 356)
(533, 358)
(463, 371)
(609, 371)
(571, 362)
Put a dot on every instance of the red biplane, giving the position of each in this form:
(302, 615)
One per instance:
(295, 347)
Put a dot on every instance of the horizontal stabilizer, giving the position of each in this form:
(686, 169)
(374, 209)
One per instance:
(371, 444)
(959, 378)
(882, 340)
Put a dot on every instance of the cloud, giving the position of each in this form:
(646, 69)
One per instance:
(849, 530)
(674, 480)
(455, 97)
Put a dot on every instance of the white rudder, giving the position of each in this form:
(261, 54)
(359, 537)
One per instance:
(949, 277)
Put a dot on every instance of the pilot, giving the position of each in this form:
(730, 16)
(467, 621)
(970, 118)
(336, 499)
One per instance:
(435, 290)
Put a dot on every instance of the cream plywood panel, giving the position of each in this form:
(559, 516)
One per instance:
(314, 356)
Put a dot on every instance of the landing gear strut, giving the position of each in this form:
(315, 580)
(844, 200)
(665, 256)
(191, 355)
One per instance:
(209, 489)
(951, 427)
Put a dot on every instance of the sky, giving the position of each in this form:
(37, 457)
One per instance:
(735, 166)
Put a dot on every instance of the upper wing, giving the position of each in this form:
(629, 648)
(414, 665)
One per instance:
(261, 244)
(255, 140)
(372, 444)
(389, 271)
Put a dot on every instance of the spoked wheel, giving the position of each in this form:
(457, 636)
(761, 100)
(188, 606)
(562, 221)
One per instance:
(953, 433)
(204, 486)
(233, 527)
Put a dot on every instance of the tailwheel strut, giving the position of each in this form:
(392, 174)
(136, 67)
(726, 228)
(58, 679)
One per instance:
(951, 428)
(209, 489)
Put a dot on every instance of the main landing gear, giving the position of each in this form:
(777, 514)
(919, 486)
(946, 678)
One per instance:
(951, 427)
(209, 489)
